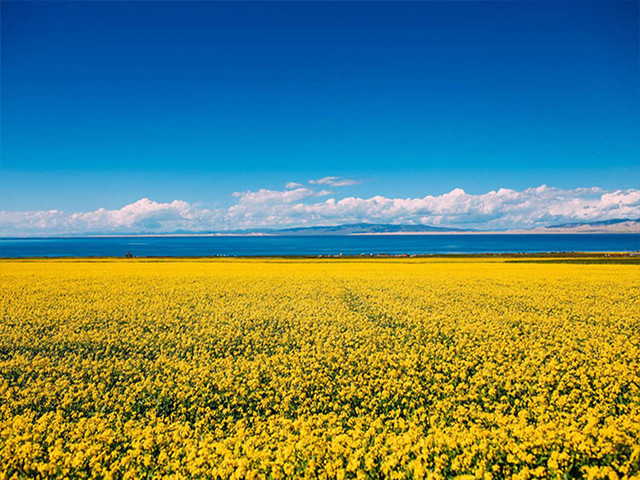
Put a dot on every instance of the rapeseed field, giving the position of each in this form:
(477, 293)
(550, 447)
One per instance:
(330, 369)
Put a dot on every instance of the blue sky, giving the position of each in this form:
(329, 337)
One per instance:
(106, 103)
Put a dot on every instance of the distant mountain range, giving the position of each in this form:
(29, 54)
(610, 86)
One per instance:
(361, 229)
(617, 225)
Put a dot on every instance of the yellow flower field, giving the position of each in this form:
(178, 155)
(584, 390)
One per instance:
(399, 368)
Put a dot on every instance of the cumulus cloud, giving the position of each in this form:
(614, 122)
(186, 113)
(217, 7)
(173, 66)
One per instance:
(264, 196)
(334, 181)
(301, 206)
(143, 215)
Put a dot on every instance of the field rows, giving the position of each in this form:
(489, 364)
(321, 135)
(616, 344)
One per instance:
(319, 369)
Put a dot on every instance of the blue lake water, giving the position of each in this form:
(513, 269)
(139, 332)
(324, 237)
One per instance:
(316, 245)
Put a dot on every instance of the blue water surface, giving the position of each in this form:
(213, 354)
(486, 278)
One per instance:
(316, 245)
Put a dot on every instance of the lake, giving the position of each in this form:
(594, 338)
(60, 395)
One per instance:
(316, 245)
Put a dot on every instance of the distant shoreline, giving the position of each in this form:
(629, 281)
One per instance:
(625, 257)
(205, 235)
(509, 232)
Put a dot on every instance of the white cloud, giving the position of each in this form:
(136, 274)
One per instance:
(141, 216)
(334, 181)
(499, 209)
(264, 196)
(290, 185)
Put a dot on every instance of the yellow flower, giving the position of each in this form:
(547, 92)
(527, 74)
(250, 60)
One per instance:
(350, 368)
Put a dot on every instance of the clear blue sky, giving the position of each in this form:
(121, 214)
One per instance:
(104, 103)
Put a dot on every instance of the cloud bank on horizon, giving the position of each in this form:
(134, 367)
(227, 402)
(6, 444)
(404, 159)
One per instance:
(299, 205)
